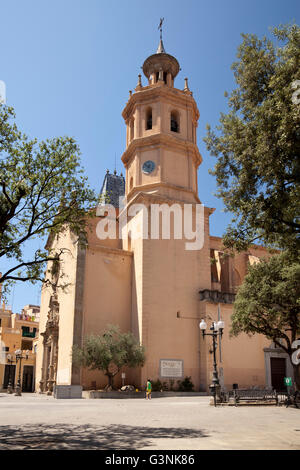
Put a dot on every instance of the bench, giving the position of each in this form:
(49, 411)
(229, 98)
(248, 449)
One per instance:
(252, 396)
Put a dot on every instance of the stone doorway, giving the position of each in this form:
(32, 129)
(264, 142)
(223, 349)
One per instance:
(50, 348)
(278, 366)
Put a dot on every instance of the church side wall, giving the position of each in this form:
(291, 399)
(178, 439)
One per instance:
(106, 301)
(242, 357)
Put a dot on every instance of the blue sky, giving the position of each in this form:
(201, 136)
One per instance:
(68, 66)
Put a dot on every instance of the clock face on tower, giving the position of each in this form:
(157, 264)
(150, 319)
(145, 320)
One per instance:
(148, 167)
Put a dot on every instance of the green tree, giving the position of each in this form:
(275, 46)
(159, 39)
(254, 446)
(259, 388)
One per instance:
(268, 303)
(257, 143)
(42, 190)
(109, 352)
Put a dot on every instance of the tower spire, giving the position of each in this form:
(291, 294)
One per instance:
(160, 49)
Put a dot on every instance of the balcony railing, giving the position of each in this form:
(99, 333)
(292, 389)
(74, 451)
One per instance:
(216, 296)
(29, 334)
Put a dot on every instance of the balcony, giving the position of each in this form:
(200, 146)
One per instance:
(217, 296)
(28, 334)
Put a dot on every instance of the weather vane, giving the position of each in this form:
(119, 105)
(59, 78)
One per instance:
(160, 27)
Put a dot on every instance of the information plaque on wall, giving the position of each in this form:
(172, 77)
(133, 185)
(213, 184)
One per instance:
(171, 368)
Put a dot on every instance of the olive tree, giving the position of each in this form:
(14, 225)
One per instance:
(109, 352)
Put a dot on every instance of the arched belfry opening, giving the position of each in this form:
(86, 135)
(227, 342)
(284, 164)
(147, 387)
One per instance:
(149, 118)
(174, 121)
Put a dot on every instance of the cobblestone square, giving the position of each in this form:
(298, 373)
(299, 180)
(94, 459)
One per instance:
(37, 422)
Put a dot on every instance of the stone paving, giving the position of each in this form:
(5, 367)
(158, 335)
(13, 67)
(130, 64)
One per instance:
(175, 423)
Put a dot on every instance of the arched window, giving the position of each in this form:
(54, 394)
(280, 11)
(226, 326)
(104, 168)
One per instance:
(149, 119)
(237, 280)
(162, 77)
(131, 129)
(174, 121)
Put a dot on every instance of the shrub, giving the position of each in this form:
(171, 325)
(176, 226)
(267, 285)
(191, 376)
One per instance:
(185, 385)
(157, 386)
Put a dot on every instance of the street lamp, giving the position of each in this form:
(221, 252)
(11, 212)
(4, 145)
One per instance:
(19, 357)
(216, 330)
(10, 362)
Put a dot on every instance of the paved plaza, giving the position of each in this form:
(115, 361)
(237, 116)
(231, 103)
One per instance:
(179, 423)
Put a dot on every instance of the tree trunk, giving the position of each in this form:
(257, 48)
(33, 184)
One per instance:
(111, 376)
(110, 379)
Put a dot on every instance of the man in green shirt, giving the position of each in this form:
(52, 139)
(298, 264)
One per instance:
(148, 390)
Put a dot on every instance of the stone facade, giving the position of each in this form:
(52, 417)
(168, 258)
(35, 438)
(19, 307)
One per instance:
(155, 288)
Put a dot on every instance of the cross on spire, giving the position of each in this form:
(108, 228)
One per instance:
(160, 27)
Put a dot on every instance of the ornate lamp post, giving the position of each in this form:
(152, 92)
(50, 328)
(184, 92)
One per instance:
(216, 330)
(10, 362)
(19, 357)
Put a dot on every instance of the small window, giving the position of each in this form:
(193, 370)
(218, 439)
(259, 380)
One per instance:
(213, 267)
(131, 183)
(149, 119)
(174, 121)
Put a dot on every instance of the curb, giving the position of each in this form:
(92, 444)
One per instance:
(94, 394)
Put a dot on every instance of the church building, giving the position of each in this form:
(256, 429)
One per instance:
(154, 287)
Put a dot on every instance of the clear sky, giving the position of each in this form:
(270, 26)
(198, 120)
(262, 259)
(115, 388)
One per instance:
(68, 66)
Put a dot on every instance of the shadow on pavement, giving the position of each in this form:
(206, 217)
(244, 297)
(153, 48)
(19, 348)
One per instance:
(86, 437)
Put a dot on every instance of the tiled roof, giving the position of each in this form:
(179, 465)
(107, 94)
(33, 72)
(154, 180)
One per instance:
(113, 187)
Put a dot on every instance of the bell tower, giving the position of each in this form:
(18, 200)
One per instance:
(161, 155)
(161, 161)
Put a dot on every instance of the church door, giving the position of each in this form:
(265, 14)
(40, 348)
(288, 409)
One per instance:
(27, 379)
(278, 371)
(10, 371)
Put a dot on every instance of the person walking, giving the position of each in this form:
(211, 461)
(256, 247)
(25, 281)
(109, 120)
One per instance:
(148, 390)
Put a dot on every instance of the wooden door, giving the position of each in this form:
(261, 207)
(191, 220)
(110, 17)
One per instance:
(27, 379)
(9, 371)
(278, 371)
